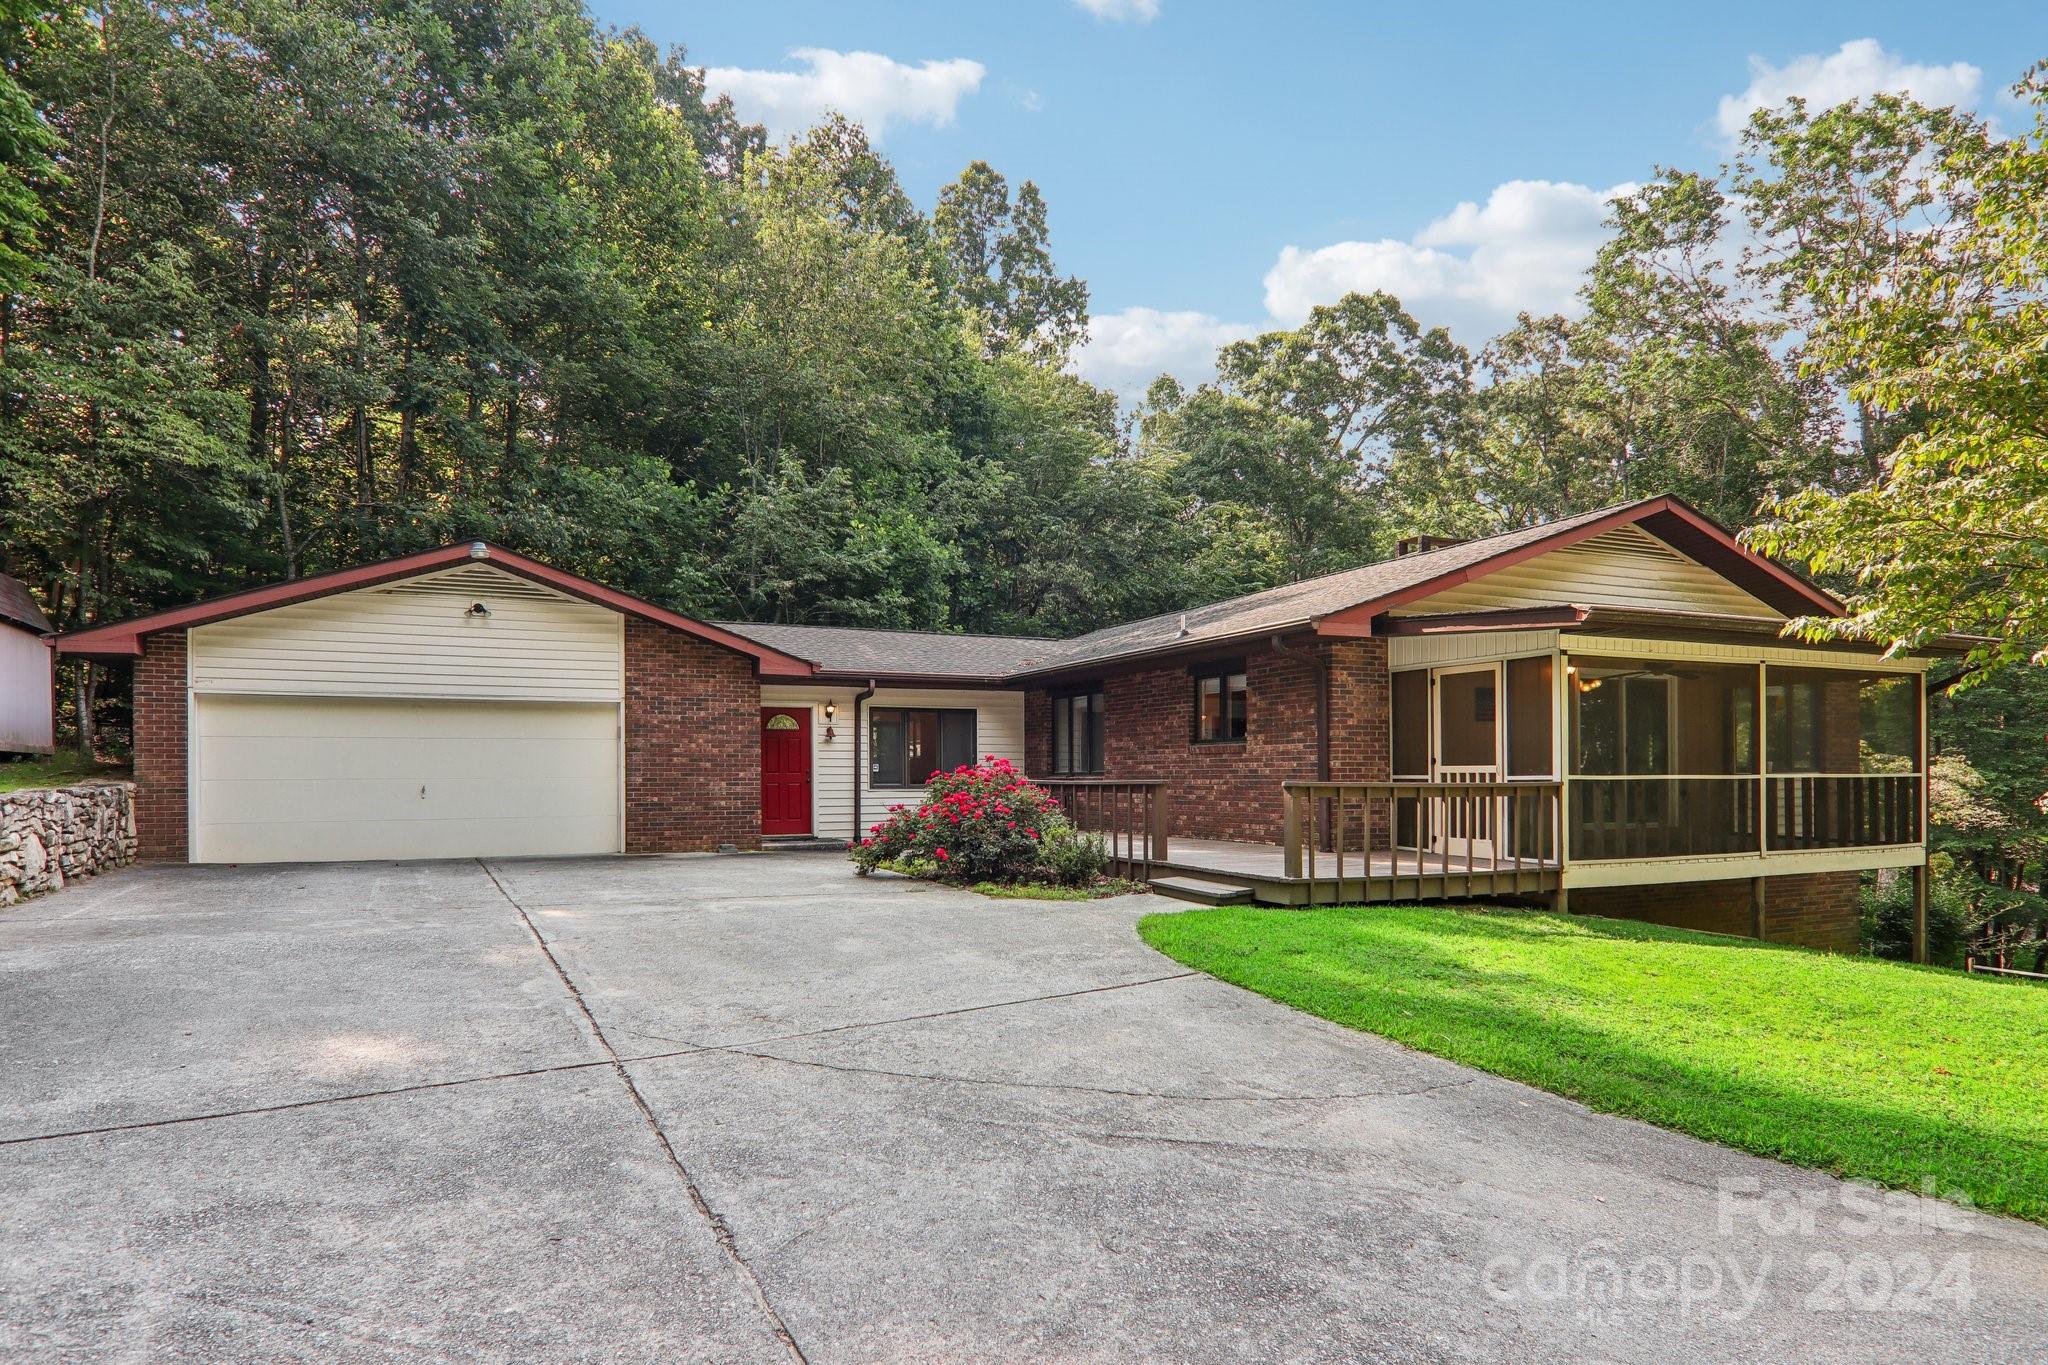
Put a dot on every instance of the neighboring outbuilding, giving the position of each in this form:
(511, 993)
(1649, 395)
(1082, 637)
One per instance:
(28, 693)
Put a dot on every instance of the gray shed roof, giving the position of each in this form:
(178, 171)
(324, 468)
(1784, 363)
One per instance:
(901, 653)
(18, 608)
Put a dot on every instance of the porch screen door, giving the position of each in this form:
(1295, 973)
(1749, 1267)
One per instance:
(1466, 747)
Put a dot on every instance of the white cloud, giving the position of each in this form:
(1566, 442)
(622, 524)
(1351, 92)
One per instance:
(1126, 351)
(1859, 68)
(1526, 249)
(1135, 11)
(869, 88)
(1472, 270)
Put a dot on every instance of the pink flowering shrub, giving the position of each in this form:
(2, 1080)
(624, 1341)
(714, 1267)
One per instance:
(985, 823)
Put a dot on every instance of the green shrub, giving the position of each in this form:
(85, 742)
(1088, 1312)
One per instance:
(982, 823)
(1071, 858)
(1952, 916)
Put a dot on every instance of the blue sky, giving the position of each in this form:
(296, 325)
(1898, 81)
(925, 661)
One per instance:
(1214, 169)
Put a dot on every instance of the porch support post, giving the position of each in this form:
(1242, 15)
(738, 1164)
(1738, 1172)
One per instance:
(1757, 917)
(1920, 913)
(1291, 834)
(1160, 836)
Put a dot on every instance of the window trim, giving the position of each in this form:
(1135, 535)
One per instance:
(874, 715)
(1062, 697)
(1222, 670)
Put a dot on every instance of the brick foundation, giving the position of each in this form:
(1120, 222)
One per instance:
(161, 715)
(1232, 791)
(1812, 910)
(693, 744)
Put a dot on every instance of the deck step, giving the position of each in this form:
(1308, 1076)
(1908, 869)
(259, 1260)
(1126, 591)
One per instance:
(1202, 891)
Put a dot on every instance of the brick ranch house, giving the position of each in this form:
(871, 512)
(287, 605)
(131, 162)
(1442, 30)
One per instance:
(1602, 711)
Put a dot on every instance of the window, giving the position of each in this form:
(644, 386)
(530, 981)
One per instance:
(906, 747)
(1077, 732)
(1622, 722)
(1793, 724)
(1219, 702)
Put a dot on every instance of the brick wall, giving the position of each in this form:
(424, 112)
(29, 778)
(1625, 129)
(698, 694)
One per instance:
(1232, 791)
(693, 744)
(160, 748)
(1812, 910)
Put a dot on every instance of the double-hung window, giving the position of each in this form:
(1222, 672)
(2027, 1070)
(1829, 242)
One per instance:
(906, 747)
(1077, 732)
(1219, 702)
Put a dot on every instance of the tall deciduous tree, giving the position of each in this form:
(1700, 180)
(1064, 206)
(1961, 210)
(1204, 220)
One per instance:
(999, 258)
(1951, 327)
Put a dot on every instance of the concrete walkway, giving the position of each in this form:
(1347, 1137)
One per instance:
(755, 1109)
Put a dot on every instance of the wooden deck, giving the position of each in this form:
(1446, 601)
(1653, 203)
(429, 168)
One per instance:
(1400, 875)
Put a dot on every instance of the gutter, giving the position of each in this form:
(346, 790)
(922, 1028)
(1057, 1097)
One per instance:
(1093, 665)
(860, 777)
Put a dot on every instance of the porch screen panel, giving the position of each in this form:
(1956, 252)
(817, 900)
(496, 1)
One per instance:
(1530, 704)
(1843, 757)
(1663, 754)
(1468, 720)
(1411, 725)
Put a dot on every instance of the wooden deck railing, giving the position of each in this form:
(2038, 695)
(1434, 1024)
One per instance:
(1134, 818)
(1842, 810)
(1639, 819)
(1420, 829)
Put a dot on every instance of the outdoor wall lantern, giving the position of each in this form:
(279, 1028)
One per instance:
(478, 611)
(831, 710)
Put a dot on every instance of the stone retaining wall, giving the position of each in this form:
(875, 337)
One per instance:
(49, 836)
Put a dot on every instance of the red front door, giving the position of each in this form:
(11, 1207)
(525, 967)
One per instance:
(785, 770)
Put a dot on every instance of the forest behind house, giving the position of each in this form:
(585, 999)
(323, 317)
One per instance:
(289, 286)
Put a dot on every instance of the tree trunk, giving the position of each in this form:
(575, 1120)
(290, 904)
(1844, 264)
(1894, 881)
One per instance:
(85, 694)
(407, 419)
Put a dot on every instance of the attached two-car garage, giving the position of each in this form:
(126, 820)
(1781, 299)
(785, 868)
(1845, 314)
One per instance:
(460, 702)
(302, 779)
(467, 713)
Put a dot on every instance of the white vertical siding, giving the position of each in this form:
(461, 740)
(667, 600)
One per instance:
(999, 730)
(26, 723)
(1623, 568)
(416, 638)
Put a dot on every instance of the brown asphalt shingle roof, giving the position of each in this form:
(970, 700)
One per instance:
(899, 653)
(1296, 604)
(847, 649)
(18, 608)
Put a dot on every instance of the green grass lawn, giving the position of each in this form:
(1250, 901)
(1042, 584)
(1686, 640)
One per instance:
(1865, 1068)
(59, 770)
(1041, 891)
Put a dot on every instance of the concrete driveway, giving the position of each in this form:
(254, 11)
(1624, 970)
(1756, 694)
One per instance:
(754, 1109)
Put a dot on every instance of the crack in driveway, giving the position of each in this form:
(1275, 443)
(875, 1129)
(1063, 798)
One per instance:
(942, 1078)
(909, 1018)
(721, 1231)
(687, 1049)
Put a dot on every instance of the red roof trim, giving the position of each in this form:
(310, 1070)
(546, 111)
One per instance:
(123, 639)
(1669, 518)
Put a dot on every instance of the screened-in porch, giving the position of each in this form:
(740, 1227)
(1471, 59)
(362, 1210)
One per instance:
(1580, 761)
(1656, 755)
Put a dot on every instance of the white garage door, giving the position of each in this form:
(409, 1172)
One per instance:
(327, 779)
